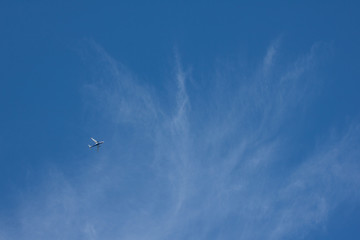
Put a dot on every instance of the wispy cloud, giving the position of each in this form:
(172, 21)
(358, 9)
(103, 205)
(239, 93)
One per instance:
(115, 93)
(223, 172)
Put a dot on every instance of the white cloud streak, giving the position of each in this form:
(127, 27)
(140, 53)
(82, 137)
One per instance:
(221, 176)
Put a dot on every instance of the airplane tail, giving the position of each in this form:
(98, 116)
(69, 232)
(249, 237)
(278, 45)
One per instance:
(90, 146)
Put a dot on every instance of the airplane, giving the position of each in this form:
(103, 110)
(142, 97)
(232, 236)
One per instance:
(97, 144)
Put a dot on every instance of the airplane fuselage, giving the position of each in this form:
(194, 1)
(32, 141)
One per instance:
(97, 144)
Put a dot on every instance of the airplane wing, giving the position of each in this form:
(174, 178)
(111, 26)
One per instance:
(94, 140)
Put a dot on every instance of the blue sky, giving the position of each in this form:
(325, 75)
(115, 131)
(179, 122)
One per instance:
(221, 120)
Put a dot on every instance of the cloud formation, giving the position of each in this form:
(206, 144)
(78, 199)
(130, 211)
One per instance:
(219, 165)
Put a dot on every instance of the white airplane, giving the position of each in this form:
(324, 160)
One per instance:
(97, 144)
